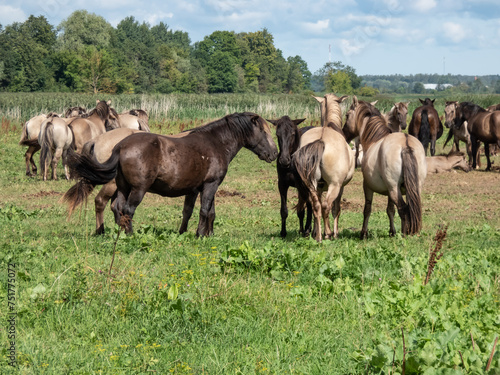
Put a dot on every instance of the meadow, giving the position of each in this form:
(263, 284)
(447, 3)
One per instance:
(244, 301)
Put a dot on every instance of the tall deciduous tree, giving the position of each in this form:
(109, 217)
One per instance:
(82, 29)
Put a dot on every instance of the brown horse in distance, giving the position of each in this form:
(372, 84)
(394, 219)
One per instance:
(483, 126)
(172, 167)
(426, 125)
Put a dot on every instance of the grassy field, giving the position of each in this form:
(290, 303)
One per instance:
(243, 301)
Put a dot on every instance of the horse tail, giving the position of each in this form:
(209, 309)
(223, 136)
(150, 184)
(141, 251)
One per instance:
(306, 161)
(90, 173)
(449, 137)
(424, 134)
(143, 124)
(46, 139)
(25, 140)
(73, 139)
(413, 207)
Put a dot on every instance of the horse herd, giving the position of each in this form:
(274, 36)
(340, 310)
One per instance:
(119, 152)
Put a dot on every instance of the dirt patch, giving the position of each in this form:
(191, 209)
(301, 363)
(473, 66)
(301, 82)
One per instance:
(224, 193)
(42, 194)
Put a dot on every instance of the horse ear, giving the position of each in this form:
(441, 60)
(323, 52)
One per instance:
(298, 121)
(375, 102)
(318, 99)
(97, 101)
(108, 102)
(421, 101)
(342, 98)
(433, 100)
(274, 122)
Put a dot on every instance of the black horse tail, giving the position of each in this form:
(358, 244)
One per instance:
(424, 134)
(306, 161)
(45, 139)
(90, 173)
(449, 137)
(413, 207)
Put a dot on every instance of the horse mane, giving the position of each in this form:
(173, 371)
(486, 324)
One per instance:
(376, 128)
(102, 109)
(474, 107)
(333, 112)
(235, 124)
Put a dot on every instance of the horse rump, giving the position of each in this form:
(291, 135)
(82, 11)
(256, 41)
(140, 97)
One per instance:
(306, 161)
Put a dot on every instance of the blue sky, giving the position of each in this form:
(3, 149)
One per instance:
(373, 36)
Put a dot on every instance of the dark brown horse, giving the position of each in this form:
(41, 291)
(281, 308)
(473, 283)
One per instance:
(483, 126)
(288, 135)
(173, 167)
(426, 125)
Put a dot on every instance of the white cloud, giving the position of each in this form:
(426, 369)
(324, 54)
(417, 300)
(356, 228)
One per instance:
(318, 27)
(454, 31)
(9, 15)
(424, 5)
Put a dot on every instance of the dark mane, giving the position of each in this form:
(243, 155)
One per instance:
(239, 125)
(474, 108)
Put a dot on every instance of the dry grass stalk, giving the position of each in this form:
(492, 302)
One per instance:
(435, 254)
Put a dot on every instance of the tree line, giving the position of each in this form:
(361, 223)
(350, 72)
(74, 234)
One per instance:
(84, 53)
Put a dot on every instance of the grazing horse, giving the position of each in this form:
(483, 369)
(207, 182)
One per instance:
(288, 135)
(454, 160)
(133, 119)
(393, 165)
(483, 126)
(55, 140)
(84, 129)
(173, 167)
(324, 161)
(426, 125)
(458, 133)
(396, 117)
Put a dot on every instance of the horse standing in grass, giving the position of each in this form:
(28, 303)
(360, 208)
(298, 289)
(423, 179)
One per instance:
(84, 129)
(55, 140)
(288, 135)
(426, 125)
(324, 161)
(133, 119)
(483, 126)
(393, 164)
(396, 117)
(191, 165)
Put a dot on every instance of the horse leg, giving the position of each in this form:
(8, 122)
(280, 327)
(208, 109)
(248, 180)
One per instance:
(316, 208)
(100, 201)
(475, 150)
(187, 211)
(134, 199)
(283, 189)
(487, 153)
(433, 146)
(65, 164)
(336, 213)
(55, 160)
(28, 157)
(211, 219)
(206, 200)
(366, 211)
(391, 210)
(331, 195)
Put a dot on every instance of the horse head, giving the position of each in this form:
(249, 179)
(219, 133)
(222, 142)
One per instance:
(260, 142)
(427, 101)
(330, 108)
(288, 138)
(349, 129)
(401, 112)
(450, 113)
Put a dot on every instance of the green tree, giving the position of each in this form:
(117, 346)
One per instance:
(298, 74)
(82, 29)
(319, 79)
(221, 73)
(418, 88)
(339, 82)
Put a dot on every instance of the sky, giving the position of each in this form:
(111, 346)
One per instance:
(373, 36)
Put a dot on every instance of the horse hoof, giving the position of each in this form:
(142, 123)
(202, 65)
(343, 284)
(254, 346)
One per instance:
(363, 235)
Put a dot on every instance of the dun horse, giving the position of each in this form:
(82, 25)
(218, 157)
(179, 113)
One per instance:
(393, 165)
(84, 129)
(426, 125)
(324, 161)
(483, 126)
(440, 164)
(396, 117)
(288, 135)
(55, 140)
(133, 119)
(172, 167)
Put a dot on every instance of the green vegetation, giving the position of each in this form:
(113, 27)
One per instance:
(244, 300)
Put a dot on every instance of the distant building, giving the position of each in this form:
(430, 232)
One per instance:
(436, 86)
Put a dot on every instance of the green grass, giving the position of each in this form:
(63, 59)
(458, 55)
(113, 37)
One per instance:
(244, 301)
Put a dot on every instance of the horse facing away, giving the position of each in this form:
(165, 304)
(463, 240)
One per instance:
(55, 139)
(483, 126)
(172, 167)
(393, 165)
(288, 135)
(426, 125)
(324, 161)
